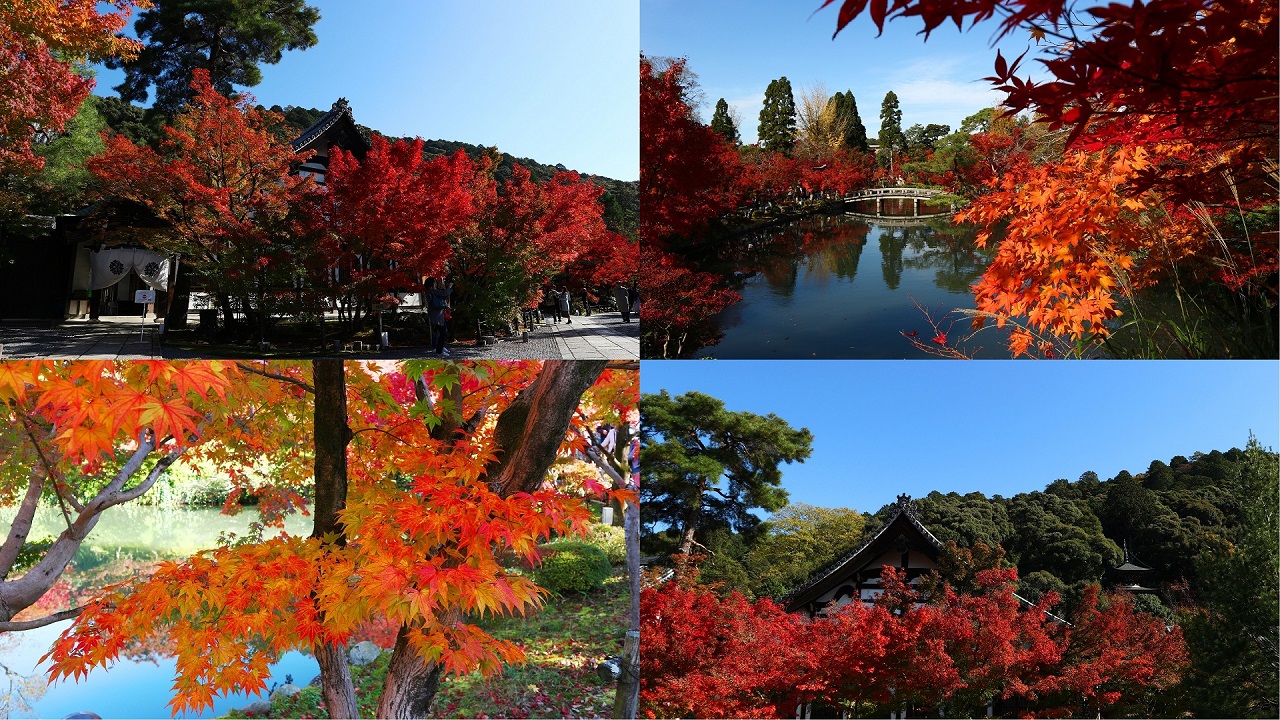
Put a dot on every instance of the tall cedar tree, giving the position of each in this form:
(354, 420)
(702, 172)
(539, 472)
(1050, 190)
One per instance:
(723, 123)
(891, 137)
(475, 493)
(778, 117)
(855, 131)
(690, 444)
(226, 38)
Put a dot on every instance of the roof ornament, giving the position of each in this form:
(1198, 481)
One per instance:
(341, 106)
(904, 502)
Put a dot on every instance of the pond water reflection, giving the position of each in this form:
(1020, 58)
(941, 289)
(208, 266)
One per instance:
(849, 286)
(127, 538)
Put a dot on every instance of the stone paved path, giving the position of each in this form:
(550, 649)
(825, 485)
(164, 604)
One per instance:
(600, 336)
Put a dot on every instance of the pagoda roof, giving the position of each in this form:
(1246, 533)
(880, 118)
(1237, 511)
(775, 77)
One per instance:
(901, 519)
(336, 127)
(1130, 564)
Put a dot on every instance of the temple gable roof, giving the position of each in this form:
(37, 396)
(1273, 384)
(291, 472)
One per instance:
(901, 523)
(336, 127)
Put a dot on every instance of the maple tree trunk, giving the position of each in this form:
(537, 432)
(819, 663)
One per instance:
(528, 435)
(332, 434)
(411, 682)
(331, 437)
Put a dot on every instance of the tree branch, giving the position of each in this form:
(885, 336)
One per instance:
(276, 376)
(530, 430)
(16, 625)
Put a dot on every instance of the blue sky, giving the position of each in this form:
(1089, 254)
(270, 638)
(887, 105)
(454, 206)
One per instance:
(737, 46)
(556, 80)
(999, 427)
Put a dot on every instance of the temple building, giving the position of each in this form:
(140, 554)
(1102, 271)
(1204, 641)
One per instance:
(902, 542)
(1132, 576)
(336, 128)
(63, 268)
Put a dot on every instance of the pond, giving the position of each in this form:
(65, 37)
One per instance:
(126, 538)
(851, 285)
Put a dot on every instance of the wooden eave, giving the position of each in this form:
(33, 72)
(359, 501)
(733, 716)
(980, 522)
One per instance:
(901, 520)
(336, 127)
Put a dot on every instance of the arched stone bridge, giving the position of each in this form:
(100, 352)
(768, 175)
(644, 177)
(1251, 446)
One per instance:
(894, 193)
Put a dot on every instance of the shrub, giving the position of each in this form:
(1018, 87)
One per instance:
(612, 540)
(572, 566)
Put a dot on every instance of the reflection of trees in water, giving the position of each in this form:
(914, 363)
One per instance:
(829, 245)
(941, 247)
(892, 242)
(832, 246)
(20, 691)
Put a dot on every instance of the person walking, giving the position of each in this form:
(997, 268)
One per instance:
(562, 299)
(550, 295)
(439, 313)
(624, 303)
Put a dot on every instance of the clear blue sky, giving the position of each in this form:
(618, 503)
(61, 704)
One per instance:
(999, 427)
(555, 81)
(737, 46)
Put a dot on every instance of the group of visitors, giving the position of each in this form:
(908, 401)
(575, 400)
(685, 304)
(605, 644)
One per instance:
(439, 295)
(559, 301)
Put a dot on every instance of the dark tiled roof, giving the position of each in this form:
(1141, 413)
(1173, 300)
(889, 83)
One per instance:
(904, 508)
(337, 113)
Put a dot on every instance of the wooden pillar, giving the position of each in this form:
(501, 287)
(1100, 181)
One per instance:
(878, 206)
(917, 206)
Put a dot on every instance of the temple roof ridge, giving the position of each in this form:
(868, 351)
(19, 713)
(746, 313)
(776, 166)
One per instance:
(905, 508)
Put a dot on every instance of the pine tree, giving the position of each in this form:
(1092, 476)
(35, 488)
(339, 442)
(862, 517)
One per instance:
(229, 40)
(778, 117)
(723, 123)
(891, 125)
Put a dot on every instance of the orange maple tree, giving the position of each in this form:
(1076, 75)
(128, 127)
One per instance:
(1167, 180)
(41, 43)
(421, 476)
(90, 436)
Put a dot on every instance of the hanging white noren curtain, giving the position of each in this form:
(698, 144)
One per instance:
(109, 266)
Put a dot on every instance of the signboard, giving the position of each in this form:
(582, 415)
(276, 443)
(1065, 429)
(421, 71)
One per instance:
(143, 297)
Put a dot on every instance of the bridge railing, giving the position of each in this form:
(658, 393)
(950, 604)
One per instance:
(896, 192)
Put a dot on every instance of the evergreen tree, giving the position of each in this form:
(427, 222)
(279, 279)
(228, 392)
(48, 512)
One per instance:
(1234, 634)
(722, 123)
(229, 39)
(778, 117)
(855, 136)
(705, 466)
(891, 137)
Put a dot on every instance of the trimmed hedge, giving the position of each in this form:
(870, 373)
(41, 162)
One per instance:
(612, 540)
(573, 566)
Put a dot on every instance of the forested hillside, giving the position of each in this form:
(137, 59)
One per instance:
(621, 199)
(1172, 515)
